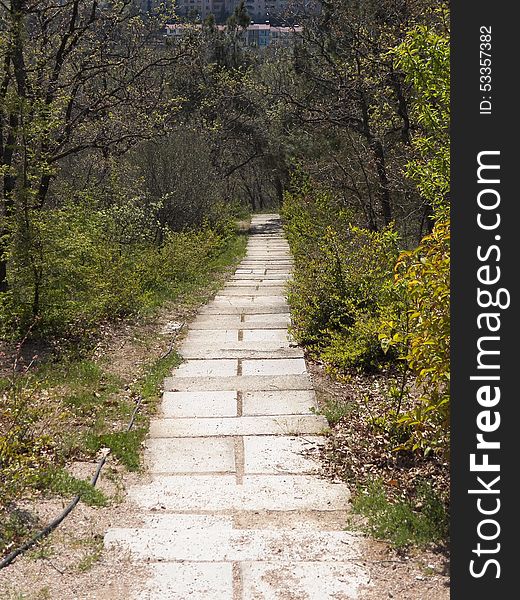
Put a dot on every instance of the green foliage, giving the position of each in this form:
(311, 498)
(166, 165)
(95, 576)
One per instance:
(25, 447)
(124, 445)
(76, 266)
(421, 333)
(62, 483)
(423, 336)
(150, 384)
(342, 279)
(334, 409)
(15, 526)
(402, 523)
(424, 57)
(71, 408)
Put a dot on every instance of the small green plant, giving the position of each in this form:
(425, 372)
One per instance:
(124, 445)
(42, 550)
(62, 483)
(26, 448)
(16, 526)
(334, 409)
(150, 384)
(93, 548)
(403, 523)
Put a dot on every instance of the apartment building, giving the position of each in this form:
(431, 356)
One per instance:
(256, 35)
(260, 11)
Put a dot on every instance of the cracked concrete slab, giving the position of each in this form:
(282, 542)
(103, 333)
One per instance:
(222, 494)
(242, 426)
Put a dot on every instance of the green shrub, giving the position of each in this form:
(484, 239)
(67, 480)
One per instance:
(75, 266)
(25, 447)
(342, 279)
(422, 335)
(402, 523)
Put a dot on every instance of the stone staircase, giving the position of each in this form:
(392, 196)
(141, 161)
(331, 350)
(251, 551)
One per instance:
(234, 509)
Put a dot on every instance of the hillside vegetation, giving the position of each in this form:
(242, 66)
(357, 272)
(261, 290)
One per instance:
(126, 158)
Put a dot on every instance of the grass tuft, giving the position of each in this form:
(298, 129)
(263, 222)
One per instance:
(62, 483)
(422, 524)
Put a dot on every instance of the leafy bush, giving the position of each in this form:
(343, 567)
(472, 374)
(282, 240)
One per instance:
(75, 266)
(424, 58)
(423, 336)
(25, 447)
(402, 523)
(342, 279)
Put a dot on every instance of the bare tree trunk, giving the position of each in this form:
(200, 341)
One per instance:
(384, 191)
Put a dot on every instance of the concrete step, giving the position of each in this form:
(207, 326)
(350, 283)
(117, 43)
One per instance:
(205, 545)
(235, 323)
(267, 321)
(253, 581)
(240, 383)
(227, 309)
(237, 426)
(224, 367)
(265, 283)
(221, 494)
(190, 455)
(252, 291)
(239, 350)
(225, 404)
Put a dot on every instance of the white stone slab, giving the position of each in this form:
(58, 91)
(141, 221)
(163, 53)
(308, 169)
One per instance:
(226, 309)
(244, 383)
(199, 404)
(231, 323)
(221, 493)
(277, 366)
(265, 335)
(234, 291)
(265, 346)
(180, 521)
(233, 426)
(221, 324)
(250, 271)
(183, 580)
(190, 455)
(238, 545)
(303, 580)
(294, 402)
(241, 282)
(242, 350)
(252, 262)
(216, 321)
(207, 368)
(284, 318)
(281, 454)
(267, 300)
(266, 284)
(221, 300)
(276, 279)
(245, 302)
(245, 290)
(213, 335)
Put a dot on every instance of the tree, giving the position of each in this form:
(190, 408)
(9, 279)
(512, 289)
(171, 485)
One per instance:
(353, 103)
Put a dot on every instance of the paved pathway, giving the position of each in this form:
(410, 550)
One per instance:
(234, 509)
